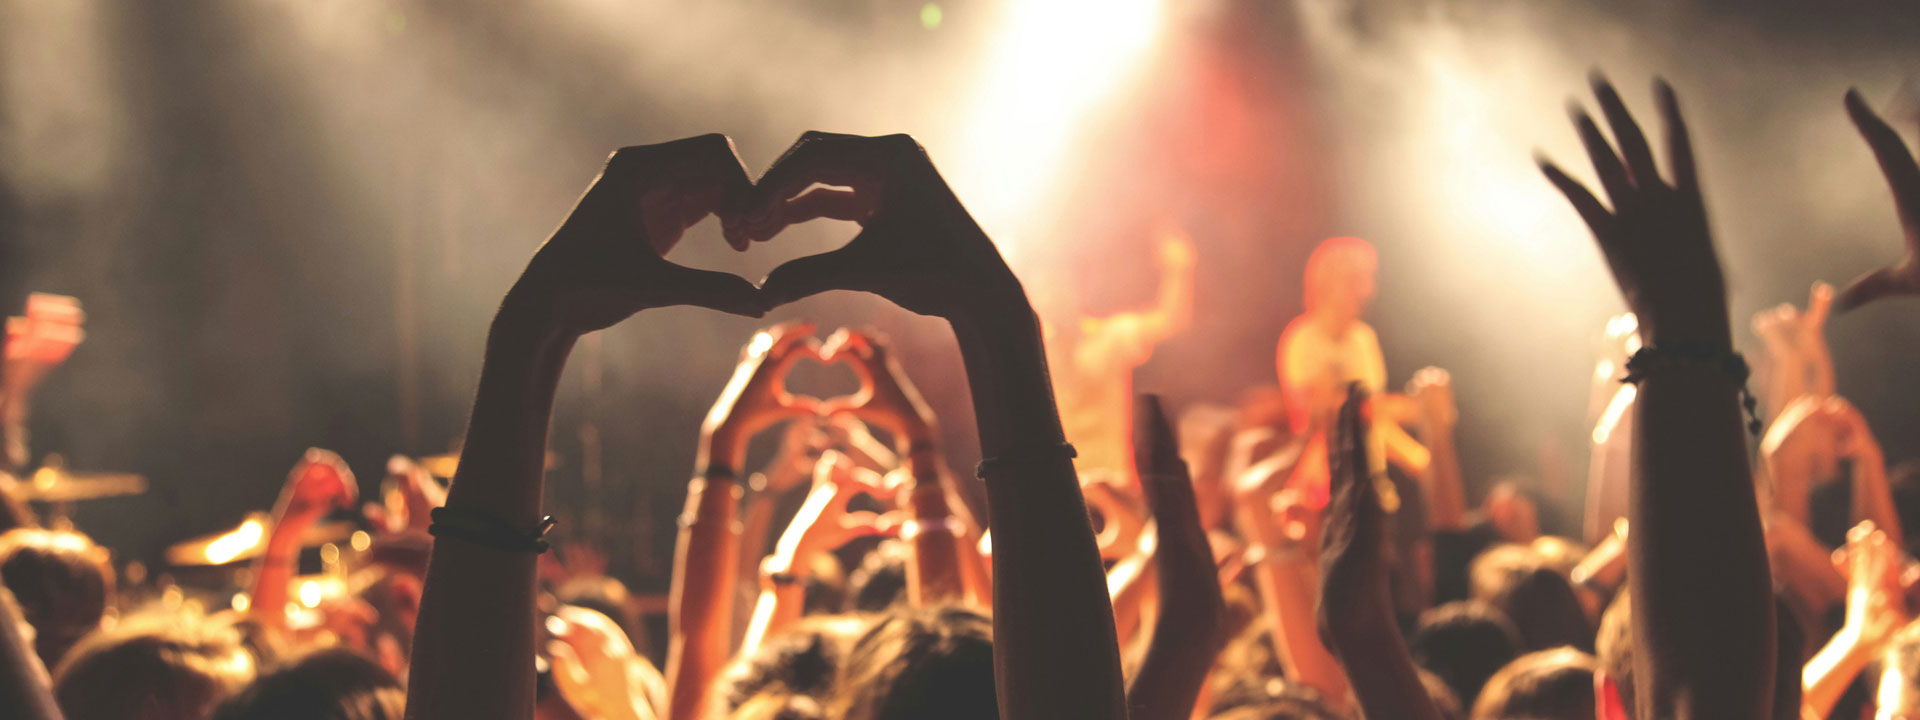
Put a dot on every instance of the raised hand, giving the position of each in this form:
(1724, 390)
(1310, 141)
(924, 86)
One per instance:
(607, 260)
(1354, 575)
(917, 245)
(823, 522)
(756, 397)
(887, 398)
(1190, 628)
(319, 484)
(1432, 393)
(1655, 236)
(1903, 178)
(595, 665)
(1355, 608)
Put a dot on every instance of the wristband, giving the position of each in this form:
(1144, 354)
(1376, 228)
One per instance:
(1026, 453)
(487, 530)
(1651, 359)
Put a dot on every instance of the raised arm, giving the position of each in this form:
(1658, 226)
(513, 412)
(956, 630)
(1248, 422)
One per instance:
(1190, 628)
(822, 524)
(1132, 334)
(1432, 392)
(474, 643)
(936, 529)
(1054, 649)
(1703, 640)
(1875, 611)
(1355, 608)
(700, 601)
(320, 483)
(1903, 178)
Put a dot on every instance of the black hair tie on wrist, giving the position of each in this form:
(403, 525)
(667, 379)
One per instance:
(1024, 454)
(489, 531)
(1651, 359)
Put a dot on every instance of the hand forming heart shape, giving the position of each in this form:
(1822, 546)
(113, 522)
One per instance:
(918, 247)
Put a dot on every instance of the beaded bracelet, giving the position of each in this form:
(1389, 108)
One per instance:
(1650, 359)
(1030, 452)
(489, 531)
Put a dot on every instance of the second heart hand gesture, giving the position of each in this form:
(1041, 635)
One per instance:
(607, 260)
(887, 398)
(756, 396)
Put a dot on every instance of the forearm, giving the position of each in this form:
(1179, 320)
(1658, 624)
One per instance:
(755, 525)
(1831, 671)
(25, 692)
(1127, 586)
(274, 571)
(1708, 635)
(1287, 587)
(1446, 493)
(1873, 497)
(934, 575)
(700, 607)
(1054, 649)
(779, 605)
(1385, 683)
(473, 645)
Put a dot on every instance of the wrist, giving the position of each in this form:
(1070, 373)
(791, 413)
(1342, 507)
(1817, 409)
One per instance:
(1708, 328)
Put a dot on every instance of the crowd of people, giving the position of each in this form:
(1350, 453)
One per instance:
(1310, 553)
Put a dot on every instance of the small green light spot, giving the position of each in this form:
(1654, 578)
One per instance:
(930, 16)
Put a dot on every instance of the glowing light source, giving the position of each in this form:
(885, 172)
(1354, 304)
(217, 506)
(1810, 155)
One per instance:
(225, 548)
(360, 541)
(931, 15)
(1053, 60)
(241, 602)
(310, 593)
(762, 342)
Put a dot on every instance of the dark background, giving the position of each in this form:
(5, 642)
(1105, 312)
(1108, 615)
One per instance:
(289, 220)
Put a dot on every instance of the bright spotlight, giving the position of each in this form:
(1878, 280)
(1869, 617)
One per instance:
(1052, 61)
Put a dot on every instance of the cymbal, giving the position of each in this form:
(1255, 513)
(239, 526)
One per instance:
(247, 540)
(56, 484)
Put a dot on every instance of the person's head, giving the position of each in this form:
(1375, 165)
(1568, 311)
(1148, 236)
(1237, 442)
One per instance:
(608, 597)
(162, 667)
(778, 707)
(1613, 687)
(1898, 697)
(335, 684)
(1539, 601)
(1278, 700)
(881, 580)
(1465, 642)
(62, 582)
(1546, 685)
(802, 661)
(1339, 278)
(1512, 513)
(920, 664)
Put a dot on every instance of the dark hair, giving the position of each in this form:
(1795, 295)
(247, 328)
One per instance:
(881, 580)
(334, 684)
(920, 664)
(62, 582)
(161, 667)
(1465, 642)
(1615, 648)
(1281, 700)
(1540, 602)
(1546, 685)
(803, 660)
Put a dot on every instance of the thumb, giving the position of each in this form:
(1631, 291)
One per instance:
(811, 275)
(726, 292)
